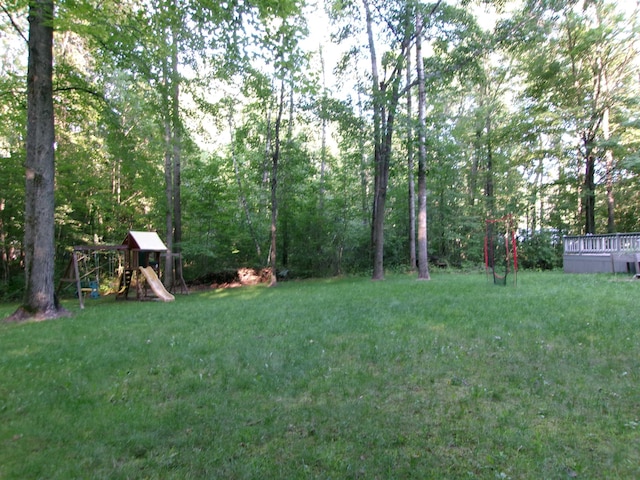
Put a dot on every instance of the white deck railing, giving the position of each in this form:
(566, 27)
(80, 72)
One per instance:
(602, 244)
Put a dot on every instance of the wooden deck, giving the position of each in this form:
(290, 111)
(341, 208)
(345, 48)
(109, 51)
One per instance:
(612, 253)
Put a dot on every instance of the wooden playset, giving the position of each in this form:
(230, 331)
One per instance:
(138, 261)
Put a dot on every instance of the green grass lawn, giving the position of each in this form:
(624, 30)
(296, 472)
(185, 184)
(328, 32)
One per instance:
(452, 378)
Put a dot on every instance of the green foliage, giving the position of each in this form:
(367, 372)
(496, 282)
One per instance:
(540, 251)
(12, 288)
(502, 106)
(343, 379)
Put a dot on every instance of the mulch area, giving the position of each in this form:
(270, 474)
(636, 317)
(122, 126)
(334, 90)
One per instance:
(232, 279)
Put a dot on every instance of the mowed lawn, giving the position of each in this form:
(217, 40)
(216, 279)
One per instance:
(335, 379)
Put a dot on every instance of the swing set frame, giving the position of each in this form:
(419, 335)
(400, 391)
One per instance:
(73, 274)
(510, 255)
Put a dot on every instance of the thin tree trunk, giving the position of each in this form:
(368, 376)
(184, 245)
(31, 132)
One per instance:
(609, 176)
(589, 194)
(473, 175)
(410, 176)
(541, 195)
(379, 192)
(116, 182)
(274, 185)
(323, 146)
(423, 260)
(177, 150)
(535, 198)
(168, 185)
(4, 257)
(267, 148)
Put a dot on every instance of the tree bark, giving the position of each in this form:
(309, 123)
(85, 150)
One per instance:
(385, 104)
(410, 177)
(589, 195)
(423, 260)
(40, 302)
(379, 189)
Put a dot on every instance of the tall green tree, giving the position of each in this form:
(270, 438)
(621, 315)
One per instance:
(581, 46)
(39, 247)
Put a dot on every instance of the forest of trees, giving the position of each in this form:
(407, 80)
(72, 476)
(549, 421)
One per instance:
(322, 138)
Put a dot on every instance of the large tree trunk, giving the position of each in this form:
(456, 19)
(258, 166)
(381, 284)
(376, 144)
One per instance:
(40, 302)
(423, 260)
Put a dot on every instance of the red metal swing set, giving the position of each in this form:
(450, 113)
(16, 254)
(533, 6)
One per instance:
(500, 249)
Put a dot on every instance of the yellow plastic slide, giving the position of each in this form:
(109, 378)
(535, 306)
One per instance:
(156, 285)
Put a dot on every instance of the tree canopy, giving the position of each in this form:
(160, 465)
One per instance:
(282, 133)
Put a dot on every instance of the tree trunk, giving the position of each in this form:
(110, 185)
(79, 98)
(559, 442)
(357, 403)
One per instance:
(473, 174)
(177, 150)
(384, 111)
(172, 164)
(323, 134)
(4, 258)
(609, 177)
(168, 185)
(589, 195)
(410, 177)
(423, 260)
(274, 185)
(40, 302)
(379, 189)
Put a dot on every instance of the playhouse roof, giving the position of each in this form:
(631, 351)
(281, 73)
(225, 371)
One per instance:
(144, 241)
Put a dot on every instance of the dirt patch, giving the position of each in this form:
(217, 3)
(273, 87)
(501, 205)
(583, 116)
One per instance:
(233, 278)
(24, 315)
